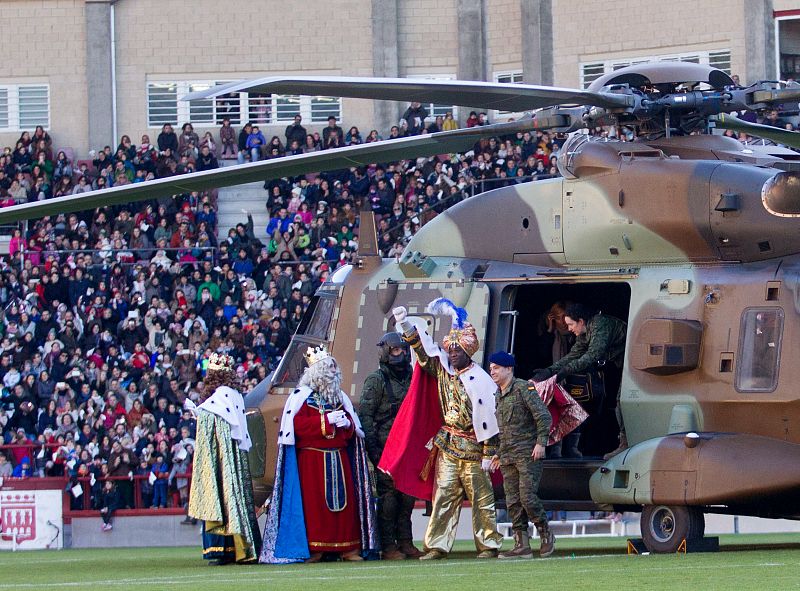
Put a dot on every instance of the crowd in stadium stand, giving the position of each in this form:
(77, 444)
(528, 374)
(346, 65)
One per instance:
(109, 316)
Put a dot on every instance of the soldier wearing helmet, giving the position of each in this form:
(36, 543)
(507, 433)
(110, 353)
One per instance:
(383, 392)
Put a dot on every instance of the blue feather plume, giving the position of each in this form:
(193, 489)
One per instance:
(444, 307)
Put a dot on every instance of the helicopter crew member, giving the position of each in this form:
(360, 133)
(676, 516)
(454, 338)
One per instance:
(464, 435)
(383, 392)
(600, 340)
(222, 490)
(322, 497)
(524, 423)
(554, 341)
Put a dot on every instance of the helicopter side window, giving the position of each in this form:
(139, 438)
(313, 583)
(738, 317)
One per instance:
(760, 337)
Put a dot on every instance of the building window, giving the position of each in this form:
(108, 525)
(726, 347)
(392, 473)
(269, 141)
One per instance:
(4, 115)
(436, 109)
(164, 106)
(591, 71)
(323, 107)
(34, 106)
(511, 77)
(760, 334)
(24, 106)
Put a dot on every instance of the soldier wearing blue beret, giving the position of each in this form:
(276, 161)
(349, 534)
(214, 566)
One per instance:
(524, 423)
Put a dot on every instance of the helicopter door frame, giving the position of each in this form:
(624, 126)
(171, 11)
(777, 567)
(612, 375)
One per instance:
(514, 315)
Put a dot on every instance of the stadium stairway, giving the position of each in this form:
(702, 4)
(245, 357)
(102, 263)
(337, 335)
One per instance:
(232, 200)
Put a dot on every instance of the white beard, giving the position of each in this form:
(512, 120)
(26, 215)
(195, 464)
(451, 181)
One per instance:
(324, 378)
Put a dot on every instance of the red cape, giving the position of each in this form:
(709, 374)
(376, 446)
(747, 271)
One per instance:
(418, 420)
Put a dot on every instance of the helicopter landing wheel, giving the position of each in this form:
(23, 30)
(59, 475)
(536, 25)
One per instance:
(664, 527)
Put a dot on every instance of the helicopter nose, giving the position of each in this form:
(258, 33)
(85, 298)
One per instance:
(781, 195)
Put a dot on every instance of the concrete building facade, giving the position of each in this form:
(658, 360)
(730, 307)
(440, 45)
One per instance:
(92, 70)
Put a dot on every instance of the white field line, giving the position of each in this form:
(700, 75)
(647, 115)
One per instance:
(317, 575)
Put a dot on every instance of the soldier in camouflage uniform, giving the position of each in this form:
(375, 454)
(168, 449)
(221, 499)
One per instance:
(600, 340)
(383, 392)
(524, 423)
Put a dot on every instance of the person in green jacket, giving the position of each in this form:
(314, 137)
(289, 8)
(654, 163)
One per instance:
(211, 286)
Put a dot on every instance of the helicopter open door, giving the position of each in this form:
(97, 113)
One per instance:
(525, 332)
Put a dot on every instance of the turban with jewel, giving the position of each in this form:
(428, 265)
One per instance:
(462, 333)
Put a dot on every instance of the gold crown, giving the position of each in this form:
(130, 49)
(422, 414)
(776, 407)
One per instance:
(220, 362)
(314, 354)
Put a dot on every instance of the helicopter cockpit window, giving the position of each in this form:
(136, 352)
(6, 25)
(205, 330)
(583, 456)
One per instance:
(570, 149)
(292, 364)
(760, 336)
(317, 320)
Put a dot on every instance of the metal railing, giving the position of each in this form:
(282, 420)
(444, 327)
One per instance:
(111, 257)
(89, 494)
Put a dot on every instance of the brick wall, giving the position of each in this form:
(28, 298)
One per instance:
(596, 30)
(45, 42)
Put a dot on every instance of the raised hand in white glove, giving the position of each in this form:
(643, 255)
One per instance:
(486, 464)
(400, 314)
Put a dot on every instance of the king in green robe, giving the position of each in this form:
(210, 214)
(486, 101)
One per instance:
(222, 492)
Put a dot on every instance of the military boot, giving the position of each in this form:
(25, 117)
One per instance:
(548, 540)
(623, 445)
(408, 548)
(522, 546)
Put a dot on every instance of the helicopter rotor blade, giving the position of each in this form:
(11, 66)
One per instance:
(776, 134)
(775, 95)
(460, 140)
(486, 95)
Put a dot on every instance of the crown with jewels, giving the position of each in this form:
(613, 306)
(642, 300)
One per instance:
(314, 354)
(220, 362)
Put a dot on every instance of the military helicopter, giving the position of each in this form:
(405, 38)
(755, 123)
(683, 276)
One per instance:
(688, 235)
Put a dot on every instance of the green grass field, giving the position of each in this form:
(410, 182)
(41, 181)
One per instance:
(762, 562)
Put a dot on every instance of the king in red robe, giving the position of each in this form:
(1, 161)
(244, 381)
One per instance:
(322, 499)
(326, 479)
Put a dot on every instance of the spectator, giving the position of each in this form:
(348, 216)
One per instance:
(188, 142)
(255, 144)
(146, 489)
(167, 140)
(332, 135)
(109, 502)
(227, 139)
(160, 470)
(6, 469)
(449, 123)
(414, 116)
(296, 132)
(206, 160)
(244, 152)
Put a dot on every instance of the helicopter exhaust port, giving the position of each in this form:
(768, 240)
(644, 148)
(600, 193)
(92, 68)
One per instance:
(781, 195)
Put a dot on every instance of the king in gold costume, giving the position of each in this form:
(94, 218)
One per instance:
(222, 492)
(466, 438)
